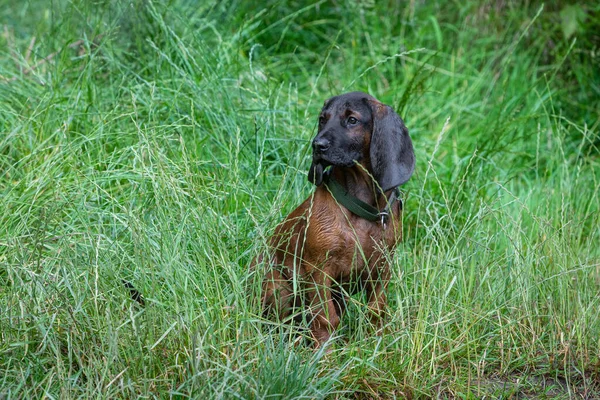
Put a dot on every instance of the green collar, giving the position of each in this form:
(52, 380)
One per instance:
(357, 206)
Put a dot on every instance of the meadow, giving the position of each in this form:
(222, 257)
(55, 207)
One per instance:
(148, 149)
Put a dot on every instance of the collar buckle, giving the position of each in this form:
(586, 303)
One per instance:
(384, 215)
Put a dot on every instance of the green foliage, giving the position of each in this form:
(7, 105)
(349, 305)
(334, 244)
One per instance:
(159, 143)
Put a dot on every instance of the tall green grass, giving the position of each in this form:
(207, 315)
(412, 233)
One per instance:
(160, 143)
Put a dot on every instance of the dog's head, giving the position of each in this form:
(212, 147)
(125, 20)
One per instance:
(355, 127)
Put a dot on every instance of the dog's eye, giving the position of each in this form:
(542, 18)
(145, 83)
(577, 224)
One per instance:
(321, 120)
(352, 121)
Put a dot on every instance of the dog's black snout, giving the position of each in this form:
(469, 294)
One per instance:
(320, 145)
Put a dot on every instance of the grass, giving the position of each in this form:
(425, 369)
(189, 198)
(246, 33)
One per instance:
(160, 143)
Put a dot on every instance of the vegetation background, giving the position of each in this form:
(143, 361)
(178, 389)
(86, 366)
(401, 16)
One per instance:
(153, 146)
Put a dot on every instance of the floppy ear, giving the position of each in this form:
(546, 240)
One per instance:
(392, 155)
(315, 173)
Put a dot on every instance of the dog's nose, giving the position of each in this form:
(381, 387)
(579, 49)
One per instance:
(320, 145)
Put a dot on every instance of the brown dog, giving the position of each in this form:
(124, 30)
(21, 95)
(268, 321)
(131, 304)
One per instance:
(338, 241)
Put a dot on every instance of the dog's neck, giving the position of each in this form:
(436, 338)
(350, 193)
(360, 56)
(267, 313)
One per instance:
(358, 181)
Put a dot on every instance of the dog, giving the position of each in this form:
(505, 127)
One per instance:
(341, 238)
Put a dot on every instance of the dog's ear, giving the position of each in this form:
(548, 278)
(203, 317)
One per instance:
(315, 173)
(392, 155)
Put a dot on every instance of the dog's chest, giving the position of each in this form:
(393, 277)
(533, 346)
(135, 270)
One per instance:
(328, 237)
(359, 244)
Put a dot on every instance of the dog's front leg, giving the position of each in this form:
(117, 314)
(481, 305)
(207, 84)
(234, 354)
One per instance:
(322, 307)
(277, 295)
(377, 301)
(376, 296)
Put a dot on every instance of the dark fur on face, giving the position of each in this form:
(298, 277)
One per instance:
(346, 124)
